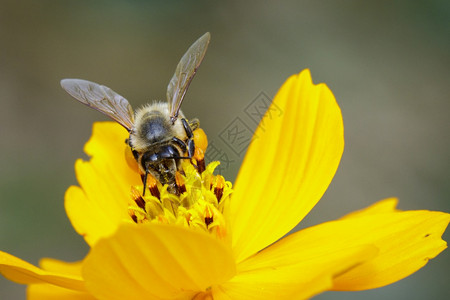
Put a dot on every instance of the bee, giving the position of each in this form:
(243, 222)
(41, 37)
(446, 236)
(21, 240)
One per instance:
(160, 135)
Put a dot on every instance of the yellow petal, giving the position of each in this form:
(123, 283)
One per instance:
(407, 240)
(87, 215)
(288, 166)
(282, 273)
(52, 292)
(54, 265)
(20, 271)
(49, 291)
(100, 205)
(154, 261)
(384, 206)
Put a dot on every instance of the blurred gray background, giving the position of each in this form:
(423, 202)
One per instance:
(386, 62)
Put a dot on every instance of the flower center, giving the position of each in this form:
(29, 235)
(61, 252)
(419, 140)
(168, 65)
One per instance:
(199, 203)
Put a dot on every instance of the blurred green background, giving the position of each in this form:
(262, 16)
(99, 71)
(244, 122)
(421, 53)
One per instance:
(386, 62)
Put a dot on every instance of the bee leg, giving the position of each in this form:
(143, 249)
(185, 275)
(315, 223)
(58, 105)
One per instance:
(180, 143)
(194, 124)
(183, 148)
(191, 148)
(144, 181)
(188, 128)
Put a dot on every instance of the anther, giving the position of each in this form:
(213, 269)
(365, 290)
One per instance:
(133, 216)
(209, 215)
(200, 158)
(208, 221)
(180, 182)
(137, 198)
(218, 190)
(201, 143)
(152, 187)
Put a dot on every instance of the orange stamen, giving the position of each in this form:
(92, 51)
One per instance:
(136, 196)
(199, 156)
(218, 190)
(180, 182)
(153, 188)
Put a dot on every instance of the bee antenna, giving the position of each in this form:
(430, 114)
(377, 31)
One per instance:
(145, 182)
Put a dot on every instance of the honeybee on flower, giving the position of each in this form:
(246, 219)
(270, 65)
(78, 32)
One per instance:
(216, 240)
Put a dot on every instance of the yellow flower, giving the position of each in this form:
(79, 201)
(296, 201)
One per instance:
(207, 244)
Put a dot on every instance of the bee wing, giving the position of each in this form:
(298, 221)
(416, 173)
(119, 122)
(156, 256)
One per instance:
(101, 98)
(186, 69)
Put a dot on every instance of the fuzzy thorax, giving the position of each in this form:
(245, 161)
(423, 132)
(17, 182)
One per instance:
(152, 125)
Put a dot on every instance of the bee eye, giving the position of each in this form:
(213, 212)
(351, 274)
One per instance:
(153, 157)
(169, 152)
